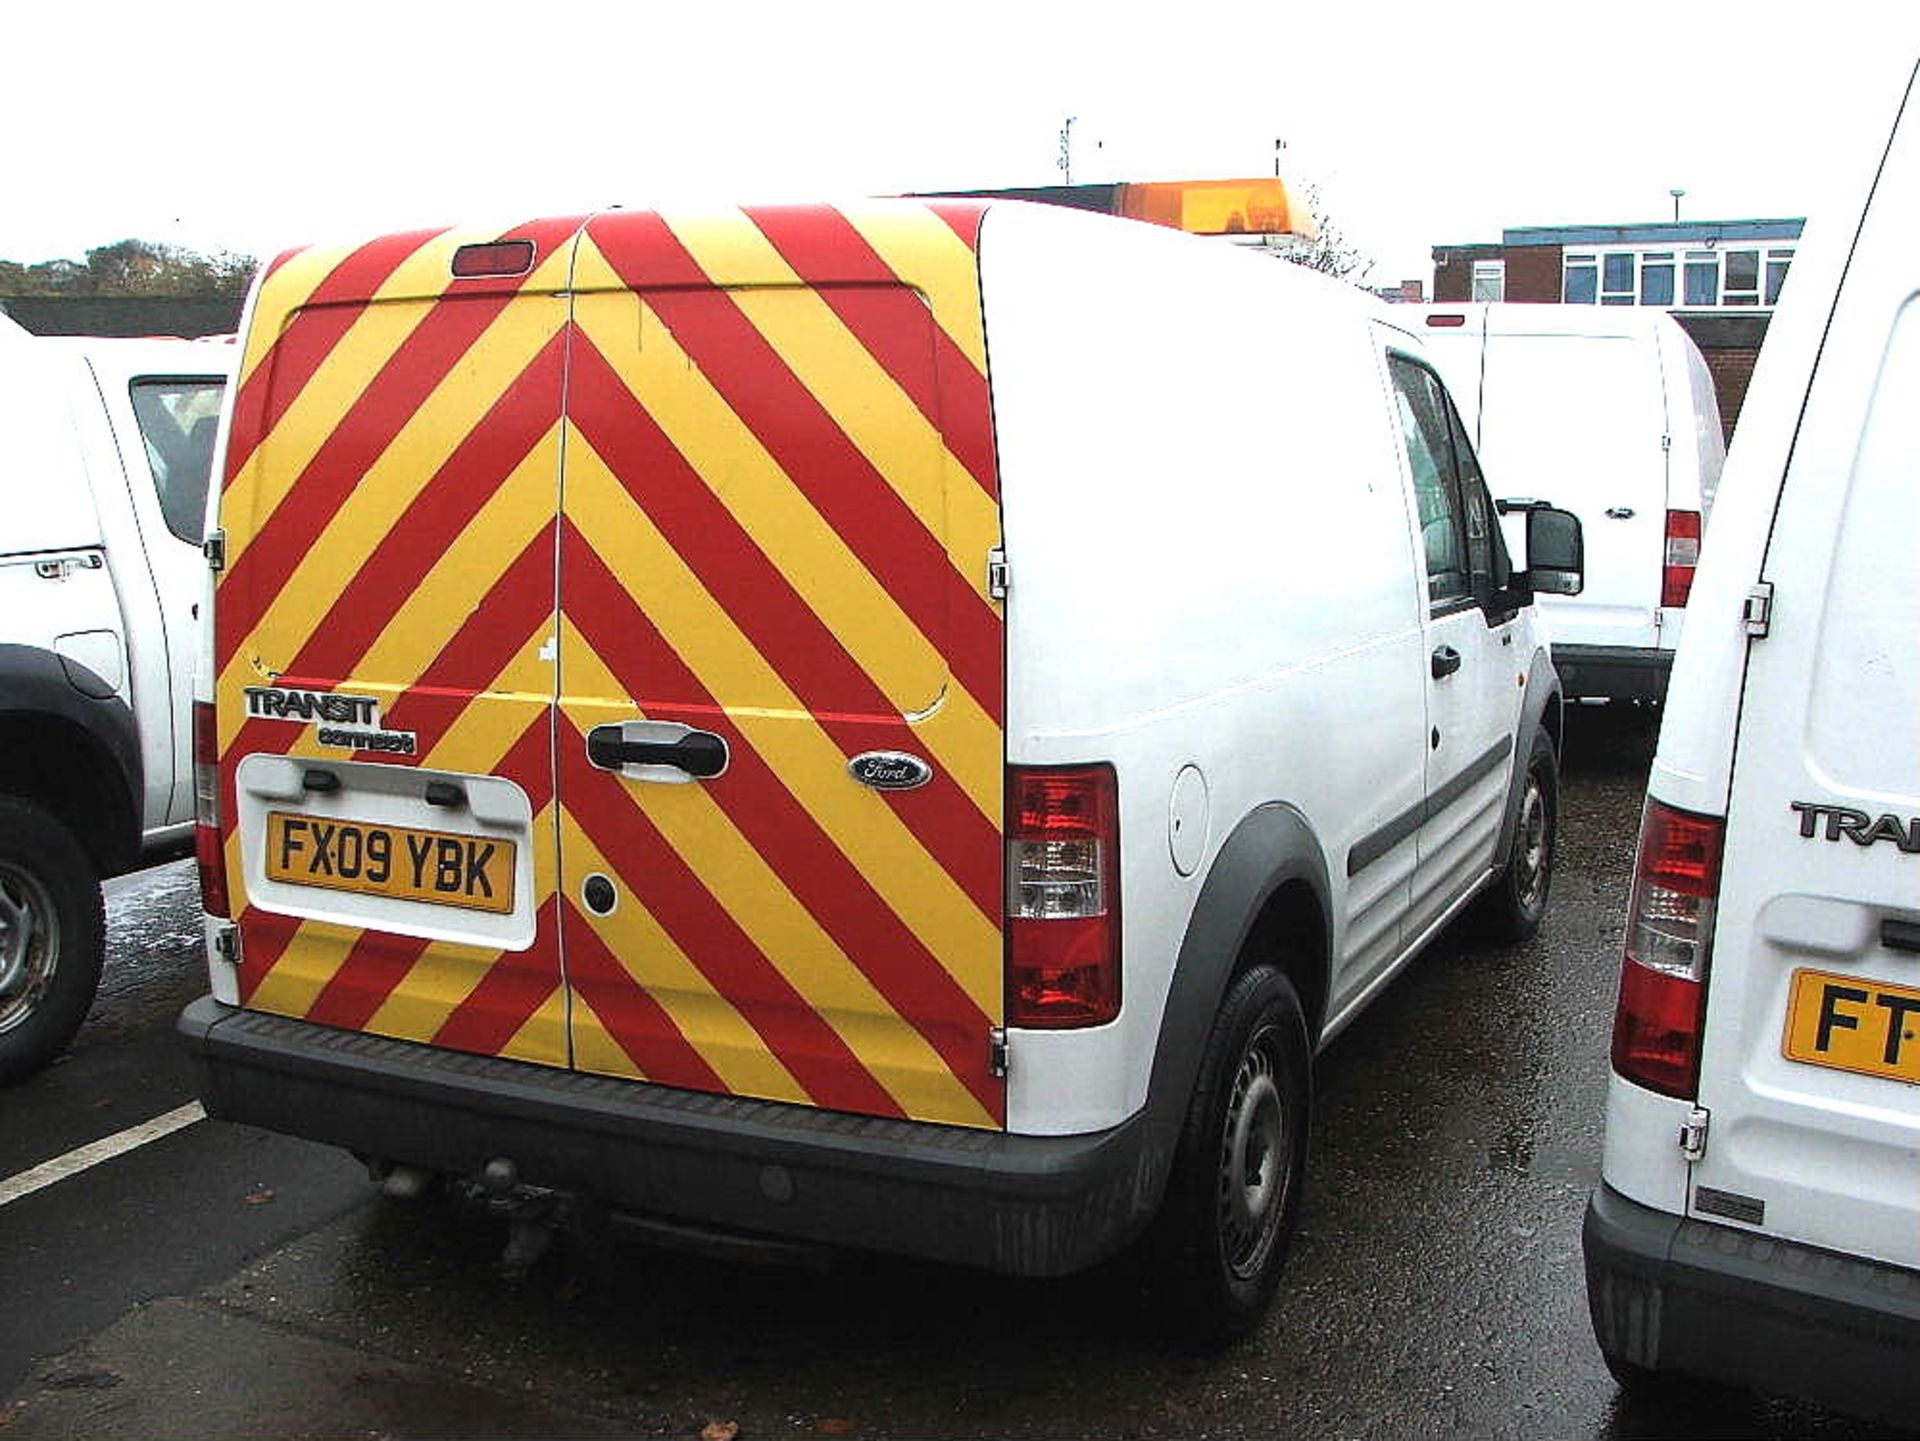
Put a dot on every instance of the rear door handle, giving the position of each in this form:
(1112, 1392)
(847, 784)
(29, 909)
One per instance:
(662, 746)
(1620, 512)
(1446, 661)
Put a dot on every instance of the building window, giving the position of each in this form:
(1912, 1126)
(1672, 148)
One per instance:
(1580, 283)
(1740, 278)
(1656, 278)
(1703, 277)
(1616, 278)
(1777, 263)
(1706, 279)
(1489, 280)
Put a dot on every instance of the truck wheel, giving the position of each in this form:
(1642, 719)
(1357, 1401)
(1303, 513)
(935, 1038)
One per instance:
(1512, 907)
(1233, 1197)
(52, 937)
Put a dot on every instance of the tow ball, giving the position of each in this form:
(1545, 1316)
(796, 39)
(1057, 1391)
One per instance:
(532, 1213)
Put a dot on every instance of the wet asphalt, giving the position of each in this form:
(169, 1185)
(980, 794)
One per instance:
(225, 1282)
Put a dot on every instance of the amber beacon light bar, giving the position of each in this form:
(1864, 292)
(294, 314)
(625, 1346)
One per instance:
(1262, 206)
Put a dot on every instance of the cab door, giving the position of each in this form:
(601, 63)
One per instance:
(1473, 701)
(779, 737)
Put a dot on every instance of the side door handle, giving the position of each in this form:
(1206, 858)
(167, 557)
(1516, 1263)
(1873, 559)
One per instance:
(1446, 661)
(696, 755)
(1620, 512)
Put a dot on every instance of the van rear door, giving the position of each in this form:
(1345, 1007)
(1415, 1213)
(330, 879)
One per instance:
(779, 742)
(1604, 458)
(1810, 1068)
(384, 641)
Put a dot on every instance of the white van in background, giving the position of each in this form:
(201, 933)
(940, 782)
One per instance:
(1609, 413)
(1758, 1218)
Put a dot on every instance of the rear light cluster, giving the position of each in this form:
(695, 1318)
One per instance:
(1683, 554)
(1663, 981)
(1063, 897)
(207, 849)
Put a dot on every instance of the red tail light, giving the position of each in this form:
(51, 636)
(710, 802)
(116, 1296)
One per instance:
(207, 847)
(1663, 981)
(1063, 897)
(1683, 554)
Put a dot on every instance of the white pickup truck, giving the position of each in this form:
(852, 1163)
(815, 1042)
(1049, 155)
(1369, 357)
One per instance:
(103, 480)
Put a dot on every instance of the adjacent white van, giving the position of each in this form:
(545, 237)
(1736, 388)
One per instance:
(1758, 1220)
(1610, 413)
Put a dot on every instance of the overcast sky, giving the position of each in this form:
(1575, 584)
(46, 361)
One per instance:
(253, 127)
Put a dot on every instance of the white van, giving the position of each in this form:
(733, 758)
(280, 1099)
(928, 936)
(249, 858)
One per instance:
(1758, 1220)
(1610, 413)
(680, 731)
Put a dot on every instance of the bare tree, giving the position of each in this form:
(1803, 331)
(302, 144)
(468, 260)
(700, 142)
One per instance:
(1329, 252)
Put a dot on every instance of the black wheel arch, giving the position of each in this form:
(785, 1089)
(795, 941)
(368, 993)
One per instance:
(1541, 708)
(1265, 899)
(73, 754)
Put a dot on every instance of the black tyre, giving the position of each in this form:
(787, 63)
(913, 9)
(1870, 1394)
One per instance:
(1233, 1198)
(1512, 908)
(52, 937)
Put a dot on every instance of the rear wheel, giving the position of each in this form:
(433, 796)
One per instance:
(1233, 1198)
(52, 937)
(1512, 908)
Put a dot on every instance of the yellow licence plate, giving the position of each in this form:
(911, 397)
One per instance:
(474, 872)
(1852, 1023)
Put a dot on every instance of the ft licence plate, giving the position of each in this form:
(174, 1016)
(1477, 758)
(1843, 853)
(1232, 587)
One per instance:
(473, 872)
(1852, 1023)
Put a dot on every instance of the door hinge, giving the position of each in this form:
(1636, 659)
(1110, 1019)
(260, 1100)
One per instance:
(1666, 445)
(998, 576)
(1758, 614)
(1693, 1133)
(214, 548)
(997, 1052)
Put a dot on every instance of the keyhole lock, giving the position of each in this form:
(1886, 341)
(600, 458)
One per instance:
(599, 895)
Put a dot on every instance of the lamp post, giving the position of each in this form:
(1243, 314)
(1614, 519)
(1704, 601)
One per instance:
(1676, 194)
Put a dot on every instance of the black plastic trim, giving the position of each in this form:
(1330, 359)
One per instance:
(1273, 846)
(1690, 1297)
(38, 683)
(1031, 1205)
(1613, 672)
(1372, 846)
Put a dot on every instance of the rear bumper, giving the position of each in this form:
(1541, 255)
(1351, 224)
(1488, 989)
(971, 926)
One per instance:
(1613, 672)
(1691, 1297)
(1030, 1205)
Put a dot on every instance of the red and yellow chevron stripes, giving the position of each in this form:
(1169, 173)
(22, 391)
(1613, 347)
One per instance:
(732, 470)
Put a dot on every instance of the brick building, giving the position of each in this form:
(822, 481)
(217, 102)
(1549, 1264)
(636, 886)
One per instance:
(1718, 278)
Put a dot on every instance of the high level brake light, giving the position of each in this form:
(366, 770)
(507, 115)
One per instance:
(1663, 979)
(1683, 554)
(207, 848)
(1063, 897)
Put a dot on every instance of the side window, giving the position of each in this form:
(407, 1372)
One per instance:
(1486, 547)
(1425, 428)
(177, 420)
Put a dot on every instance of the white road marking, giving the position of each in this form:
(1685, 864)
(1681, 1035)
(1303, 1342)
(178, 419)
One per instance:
(104, 1149)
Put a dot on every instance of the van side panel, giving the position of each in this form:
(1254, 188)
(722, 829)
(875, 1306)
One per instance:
(779, 500)
(389, 506)
(1211, 558)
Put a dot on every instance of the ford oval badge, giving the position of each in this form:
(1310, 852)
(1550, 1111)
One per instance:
(890, 770)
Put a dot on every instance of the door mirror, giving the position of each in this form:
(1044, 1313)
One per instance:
(1556, 551)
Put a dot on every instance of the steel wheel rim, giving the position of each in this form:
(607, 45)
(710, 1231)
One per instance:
(1255, 1172)
(1530, 859)
(29, 943)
